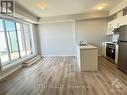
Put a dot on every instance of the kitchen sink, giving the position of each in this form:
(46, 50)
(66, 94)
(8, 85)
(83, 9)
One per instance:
(83, 44)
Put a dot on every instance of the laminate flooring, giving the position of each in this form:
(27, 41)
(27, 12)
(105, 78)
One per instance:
(61, 76)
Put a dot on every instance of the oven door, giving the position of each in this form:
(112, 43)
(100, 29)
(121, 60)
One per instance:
(110, 54)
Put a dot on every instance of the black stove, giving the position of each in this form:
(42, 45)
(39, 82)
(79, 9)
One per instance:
(110, 51)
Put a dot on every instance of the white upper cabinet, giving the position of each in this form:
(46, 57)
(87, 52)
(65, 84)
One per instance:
(123, 20)
(109, 32)
(112, 25)
(116, 24)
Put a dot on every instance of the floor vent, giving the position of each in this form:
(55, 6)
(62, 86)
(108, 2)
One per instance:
(32, 61)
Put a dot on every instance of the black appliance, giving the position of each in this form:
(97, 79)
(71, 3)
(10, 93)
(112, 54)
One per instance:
(110, 52)
(122, 55)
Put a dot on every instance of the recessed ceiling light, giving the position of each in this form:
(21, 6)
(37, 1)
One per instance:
(43, 6)
(100, 8)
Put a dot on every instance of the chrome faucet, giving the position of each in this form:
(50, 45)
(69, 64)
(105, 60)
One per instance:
(81, 42)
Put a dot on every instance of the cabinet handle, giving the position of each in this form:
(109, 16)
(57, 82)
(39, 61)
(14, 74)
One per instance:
(118, 25)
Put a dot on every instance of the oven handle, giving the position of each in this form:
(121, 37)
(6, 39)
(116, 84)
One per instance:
(110, 48)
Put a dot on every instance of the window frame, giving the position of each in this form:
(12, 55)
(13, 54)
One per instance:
(11, 61)
(10, 39)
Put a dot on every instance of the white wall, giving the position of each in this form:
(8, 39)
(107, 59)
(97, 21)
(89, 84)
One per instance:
(92, 31)
(57, 38)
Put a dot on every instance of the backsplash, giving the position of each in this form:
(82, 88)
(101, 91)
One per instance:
(112, 38)
(108, 38)
(115, 37)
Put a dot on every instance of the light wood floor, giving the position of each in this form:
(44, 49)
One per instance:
(61, 76)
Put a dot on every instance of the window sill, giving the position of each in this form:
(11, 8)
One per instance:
(18, 62)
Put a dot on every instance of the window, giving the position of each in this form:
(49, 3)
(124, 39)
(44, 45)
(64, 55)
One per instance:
(12, 39)
(15, 41)
(21, 40)
(27, 39)
(3, 45)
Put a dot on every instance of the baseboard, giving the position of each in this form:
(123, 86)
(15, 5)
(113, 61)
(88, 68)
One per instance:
(9, 71)
(58, 55)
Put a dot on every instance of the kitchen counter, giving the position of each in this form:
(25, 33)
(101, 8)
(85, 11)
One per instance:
(87, 56)
(87, 47)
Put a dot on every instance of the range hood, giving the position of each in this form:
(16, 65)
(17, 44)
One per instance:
(116, 30)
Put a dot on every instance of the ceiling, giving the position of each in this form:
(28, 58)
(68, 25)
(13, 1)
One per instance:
(65, 7)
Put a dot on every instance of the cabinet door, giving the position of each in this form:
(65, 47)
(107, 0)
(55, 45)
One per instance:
(110, 28)
(115, 24)
(112, 25)
(123, 20)
(104, 49)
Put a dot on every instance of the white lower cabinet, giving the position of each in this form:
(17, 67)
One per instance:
(88, 58)
(104, 49)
